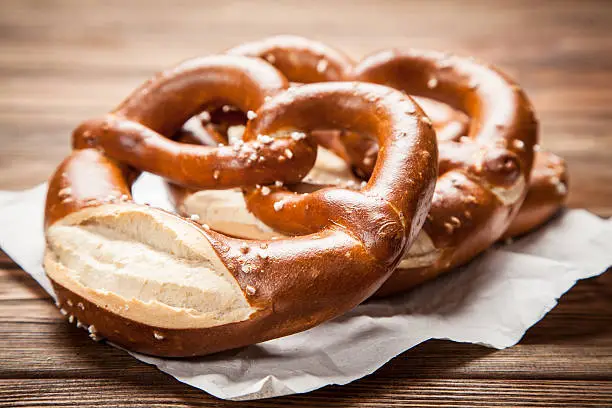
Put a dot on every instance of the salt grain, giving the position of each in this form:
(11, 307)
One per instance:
(298, 135)
(65, 192)
(279, 205)
(265, 139)
(322, 65)
(519, 144)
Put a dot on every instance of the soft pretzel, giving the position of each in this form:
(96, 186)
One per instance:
(484, 175)
(158, 283)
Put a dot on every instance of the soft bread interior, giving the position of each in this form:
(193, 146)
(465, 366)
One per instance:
(144, 264)
(225, 211)
(330, 169)
(422, 253)
(510, 195)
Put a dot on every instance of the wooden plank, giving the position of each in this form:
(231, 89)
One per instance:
(573, 342)
(5, 260)
(138, 390)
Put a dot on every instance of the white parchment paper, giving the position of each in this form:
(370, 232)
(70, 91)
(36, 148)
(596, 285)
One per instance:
(492, 301)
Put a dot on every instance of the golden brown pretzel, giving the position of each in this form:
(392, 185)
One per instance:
(353, 147)
(484, 175)
(161, 284)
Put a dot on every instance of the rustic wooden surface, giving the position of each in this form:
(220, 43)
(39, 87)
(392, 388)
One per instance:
(63, 61)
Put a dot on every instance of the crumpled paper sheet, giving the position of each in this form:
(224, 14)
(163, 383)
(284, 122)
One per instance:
(492, 301)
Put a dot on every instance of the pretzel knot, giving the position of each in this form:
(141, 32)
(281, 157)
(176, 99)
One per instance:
(161, 284)
(486, 143)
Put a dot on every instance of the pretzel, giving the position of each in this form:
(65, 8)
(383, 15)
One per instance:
(484, 175)
(157, 283)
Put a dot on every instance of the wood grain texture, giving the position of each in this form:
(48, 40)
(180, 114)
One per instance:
(67, 60)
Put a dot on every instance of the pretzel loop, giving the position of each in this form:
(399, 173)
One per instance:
(501, 116)
(366, 108)
(138, 131)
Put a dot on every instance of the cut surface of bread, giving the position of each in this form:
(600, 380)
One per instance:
(144, 264)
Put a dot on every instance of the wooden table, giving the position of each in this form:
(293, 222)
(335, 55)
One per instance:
(64, 61)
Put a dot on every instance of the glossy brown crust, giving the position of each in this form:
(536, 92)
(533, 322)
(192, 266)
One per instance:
(86, 178)
(299, 59)
(355, 238)
(547, 192)
(137, 132)
(389, 115)
(547, 189)
(450, 125)
(302, 61)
